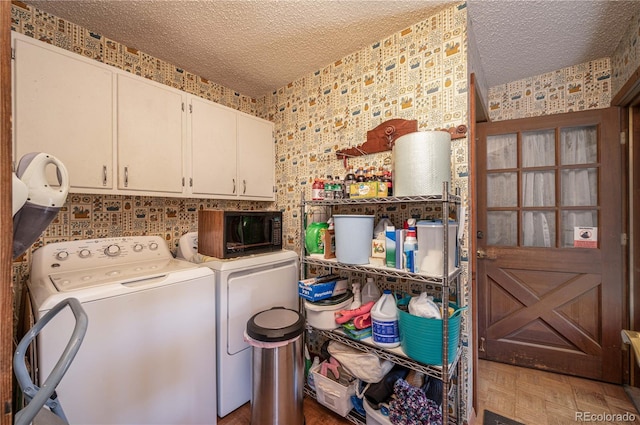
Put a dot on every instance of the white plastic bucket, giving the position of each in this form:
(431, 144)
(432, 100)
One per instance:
(353, 238)
(429, 258)
(322, 316)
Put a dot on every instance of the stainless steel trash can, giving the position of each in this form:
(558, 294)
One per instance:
(278, 367)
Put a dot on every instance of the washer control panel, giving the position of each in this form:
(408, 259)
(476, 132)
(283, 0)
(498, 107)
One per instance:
(90, 262)
(98, 252)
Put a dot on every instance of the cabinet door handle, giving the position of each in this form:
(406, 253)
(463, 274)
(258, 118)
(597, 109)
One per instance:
(244, 187)
(234, 186)
(104, 175)
(190, 181)
(126, 176)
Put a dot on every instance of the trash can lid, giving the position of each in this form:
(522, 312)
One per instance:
(276, 324)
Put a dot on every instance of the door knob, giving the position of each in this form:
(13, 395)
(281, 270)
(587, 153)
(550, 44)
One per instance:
(481, 254)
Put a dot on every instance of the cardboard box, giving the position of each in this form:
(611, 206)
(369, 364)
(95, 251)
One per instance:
(322, 287)
(363, 190)
(329, 243)
(400, 261)
(378, 248)
(390, 246)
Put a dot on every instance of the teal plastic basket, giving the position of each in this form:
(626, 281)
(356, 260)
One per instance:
(421, 338)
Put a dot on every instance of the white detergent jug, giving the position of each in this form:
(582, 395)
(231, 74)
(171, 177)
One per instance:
(370, 292)
(384, 318)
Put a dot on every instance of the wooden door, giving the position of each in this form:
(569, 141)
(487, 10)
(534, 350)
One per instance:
(549, 269)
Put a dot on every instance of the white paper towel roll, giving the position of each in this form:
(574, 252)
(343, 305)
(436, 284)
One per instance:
(422, 161)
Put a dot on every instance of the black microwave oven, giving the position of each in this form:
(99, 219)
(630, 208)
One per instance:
(230, 234)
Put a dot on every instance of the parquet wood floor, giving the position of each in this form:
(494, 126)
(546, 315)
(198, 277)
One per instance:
(535, 397)
(529, 396)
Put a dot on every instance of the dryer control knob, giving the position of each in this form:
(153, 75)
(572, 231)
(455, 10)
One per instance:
(84, 253)
(112, 250)
(137, 247)
(153, 246)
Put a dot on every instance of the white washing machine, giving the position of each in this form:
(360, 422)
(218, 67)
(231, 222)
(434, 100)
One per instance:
(149, 353)
(244, 286)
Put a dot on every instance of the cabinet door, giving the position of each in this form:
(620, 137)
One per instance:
(213, 148)
(256, 158)
(150, 134)
(64, 107)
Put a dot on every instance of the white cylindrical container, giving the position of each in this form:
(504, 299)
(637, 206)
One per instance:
(353, 238)
(384, 319)
(429, 258)
(422, 161)
(321, 315)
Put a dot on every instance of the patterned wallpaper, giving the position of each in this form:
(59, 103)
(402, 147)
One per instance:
(418, 73)
(575, 88)
(626, 59)
(590, 85)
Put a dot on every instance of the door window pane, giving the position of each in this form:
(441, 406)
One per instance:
(502, 228)
(502, 190)
(573, 219)
(539, 189)
(539, 148)
(539, 228)
(579, 145)
(580, 187)
(502, 151)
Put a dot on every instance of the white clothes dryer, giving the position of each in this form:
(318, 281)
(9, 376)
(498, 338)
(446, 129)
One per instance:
(244, 286)
(148, 356)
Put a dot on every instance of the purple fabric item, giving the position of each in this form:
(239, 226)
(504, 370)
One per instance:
(410, 406)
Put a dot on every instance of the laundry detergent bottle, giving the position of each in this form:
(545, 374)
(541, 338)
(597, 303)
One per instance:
(384, 318)
(370, 292)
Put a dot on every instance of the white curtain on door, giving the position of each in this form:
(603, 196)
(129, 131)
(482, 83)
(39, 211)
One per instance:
(538, 188)
(578, 185)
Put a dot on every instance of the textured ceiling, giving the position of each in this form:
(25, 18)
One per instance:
(257, 46)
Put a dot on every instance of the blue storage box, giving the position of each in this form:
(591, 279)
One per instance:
(322, 287)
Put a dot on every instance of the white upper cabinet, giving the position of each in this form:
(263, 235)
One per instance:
(150, 134)
(256, 158)
(232, 153)
(213, 148)
(120, 133)
(63, 105)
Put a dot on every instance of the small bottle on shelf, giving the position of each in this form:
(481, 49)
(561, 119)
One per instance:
(328, 187)
(368, 175)
(410, 249)
(348, 180)
(317, 189)
(382, 184)
(338, 189)
(386, 177)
